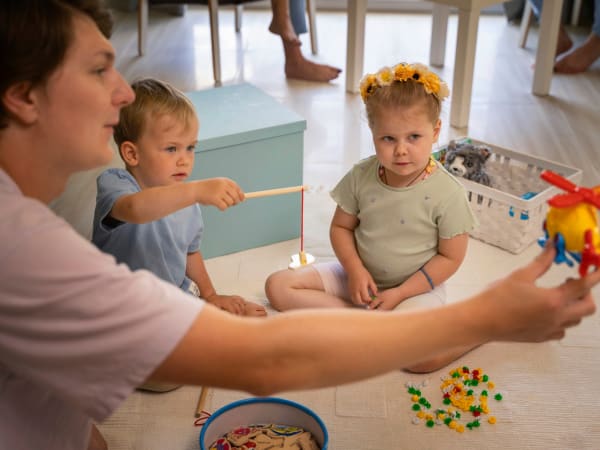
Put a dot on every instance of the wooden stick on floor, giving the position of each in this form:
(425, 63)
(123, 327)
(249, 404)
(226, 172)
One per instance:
(201, 401)
(277, 191)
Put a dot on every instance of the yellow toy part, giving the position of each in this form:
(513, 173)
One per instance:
(572, 222)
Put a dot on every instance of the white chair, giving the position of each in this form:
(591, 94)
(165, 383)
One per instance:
(213, 10)
(468, 18)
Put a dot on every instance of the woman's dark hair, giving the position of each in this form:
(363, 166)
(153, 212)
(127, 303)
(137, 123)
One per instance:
(35, 35)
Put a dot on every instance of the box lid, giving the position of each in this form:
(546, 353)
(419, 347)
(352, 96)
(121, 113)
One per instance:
(231, 115)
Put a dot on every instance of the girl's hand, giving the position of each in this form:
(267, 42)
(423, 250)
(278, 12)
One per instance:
(386, 300)
(362, 287)
(219, 192)
(231, 303)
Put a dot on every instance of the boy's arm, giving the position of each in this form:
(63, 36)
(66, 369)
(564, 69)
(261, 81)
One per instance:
(196, 271)
(451, 253)
(157, 202)
(341, 234)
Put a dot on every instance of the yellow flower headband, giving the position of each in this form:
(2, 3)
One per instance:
(419, 73)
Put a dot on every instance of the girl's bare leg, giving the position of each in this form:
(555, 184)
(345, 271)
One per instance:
(302, 288)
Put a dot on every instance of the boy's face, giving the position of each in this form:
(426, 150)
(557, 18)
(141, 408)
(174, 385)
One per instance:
(403, 138)
(165, 151)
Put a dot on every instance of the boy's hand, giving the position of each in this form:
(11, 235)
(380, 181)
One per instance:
(231, 303)
(219, 192)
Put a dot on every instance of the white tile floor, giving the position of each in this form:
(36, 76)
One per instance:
(551, 389)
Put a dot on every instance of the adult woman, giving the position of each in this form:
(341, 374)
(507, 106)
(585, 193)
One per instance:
(78, 333)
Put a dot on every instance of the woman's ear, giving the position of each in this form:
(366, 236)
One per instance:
(129, 153)
(19, 102)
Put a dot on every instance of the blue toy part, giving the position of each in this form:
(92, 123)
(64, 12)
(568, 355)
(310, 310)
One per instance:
(524, 214)
(562, 256)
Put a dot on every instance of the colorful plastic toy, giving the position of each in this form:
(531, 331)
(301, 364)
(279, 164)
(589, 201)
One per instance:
(572, 223)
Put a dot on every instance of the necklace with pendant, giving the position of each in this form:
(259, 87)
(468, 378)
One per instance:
(422, 175)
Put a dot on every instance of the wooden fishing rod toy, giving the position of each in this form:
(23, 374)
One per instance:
(302, 258)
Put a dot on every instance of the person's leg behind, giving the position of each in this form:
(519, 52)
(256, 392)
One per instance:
(296, 65)
(580, 58)
(564, 42)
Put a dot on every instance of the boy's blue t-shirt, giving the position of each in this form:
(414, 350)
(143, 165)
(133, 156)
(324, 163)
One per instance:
(160, 246)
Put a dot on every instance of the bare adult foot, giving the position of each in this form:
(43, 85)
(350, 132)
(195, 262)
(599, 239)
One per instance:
(97, 442)
(310, 71)
(581, 58)
(300, 68)
(564, 42)
(254, 309)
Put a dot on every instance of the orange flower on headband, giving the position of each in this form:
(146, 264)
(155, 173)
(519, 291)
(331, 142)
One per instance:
(367, 85)
(402, 72)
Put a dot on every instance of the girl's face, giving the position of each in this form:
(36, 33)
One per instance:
(165, 151)
(79, 104)
(403, 138)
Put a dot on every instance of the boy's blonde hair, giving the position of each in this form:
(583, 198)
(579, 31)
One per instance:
(152, 98)
(403, 85)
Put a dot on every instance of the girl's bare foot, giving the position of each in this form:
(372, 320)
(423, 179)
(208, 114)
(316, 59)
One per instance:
(581, 58)
(254, 309)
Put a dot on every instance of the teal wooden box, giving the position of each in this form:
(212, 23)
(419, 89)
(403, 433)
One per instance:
(253, 139)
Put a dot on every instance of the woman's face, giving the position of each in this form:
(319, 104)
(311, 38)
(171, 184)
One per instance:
(79, 105)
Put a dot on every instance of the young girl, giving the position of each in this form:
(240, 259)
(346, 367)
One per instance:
(401, 224)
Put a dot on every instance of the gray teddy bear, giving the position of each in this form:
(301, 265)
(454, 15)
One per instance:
(467, 160)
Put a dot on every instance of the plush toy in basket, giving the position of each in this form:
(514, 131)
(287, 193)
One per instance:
(467, 160)
(572, 223)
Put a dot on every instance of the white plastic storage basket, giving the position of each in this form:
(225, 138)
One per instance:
(511, 211)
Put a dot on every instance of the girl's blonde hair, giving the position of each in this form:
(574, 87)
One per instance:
(152, 98)
(403, 85)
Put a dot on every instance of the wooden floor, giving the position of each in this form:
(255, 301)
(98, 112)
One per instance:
(551, 390)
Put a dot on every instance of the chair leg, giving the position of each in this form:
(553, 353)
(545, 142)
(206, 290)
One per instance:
(213, 12)
(239, 9)
(142, 26)
(311, 9)
(525, 24)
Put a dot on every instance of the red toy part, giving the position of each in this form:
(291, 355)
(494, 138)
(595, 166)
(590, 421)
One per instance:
(576, 193)
(589, 257)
